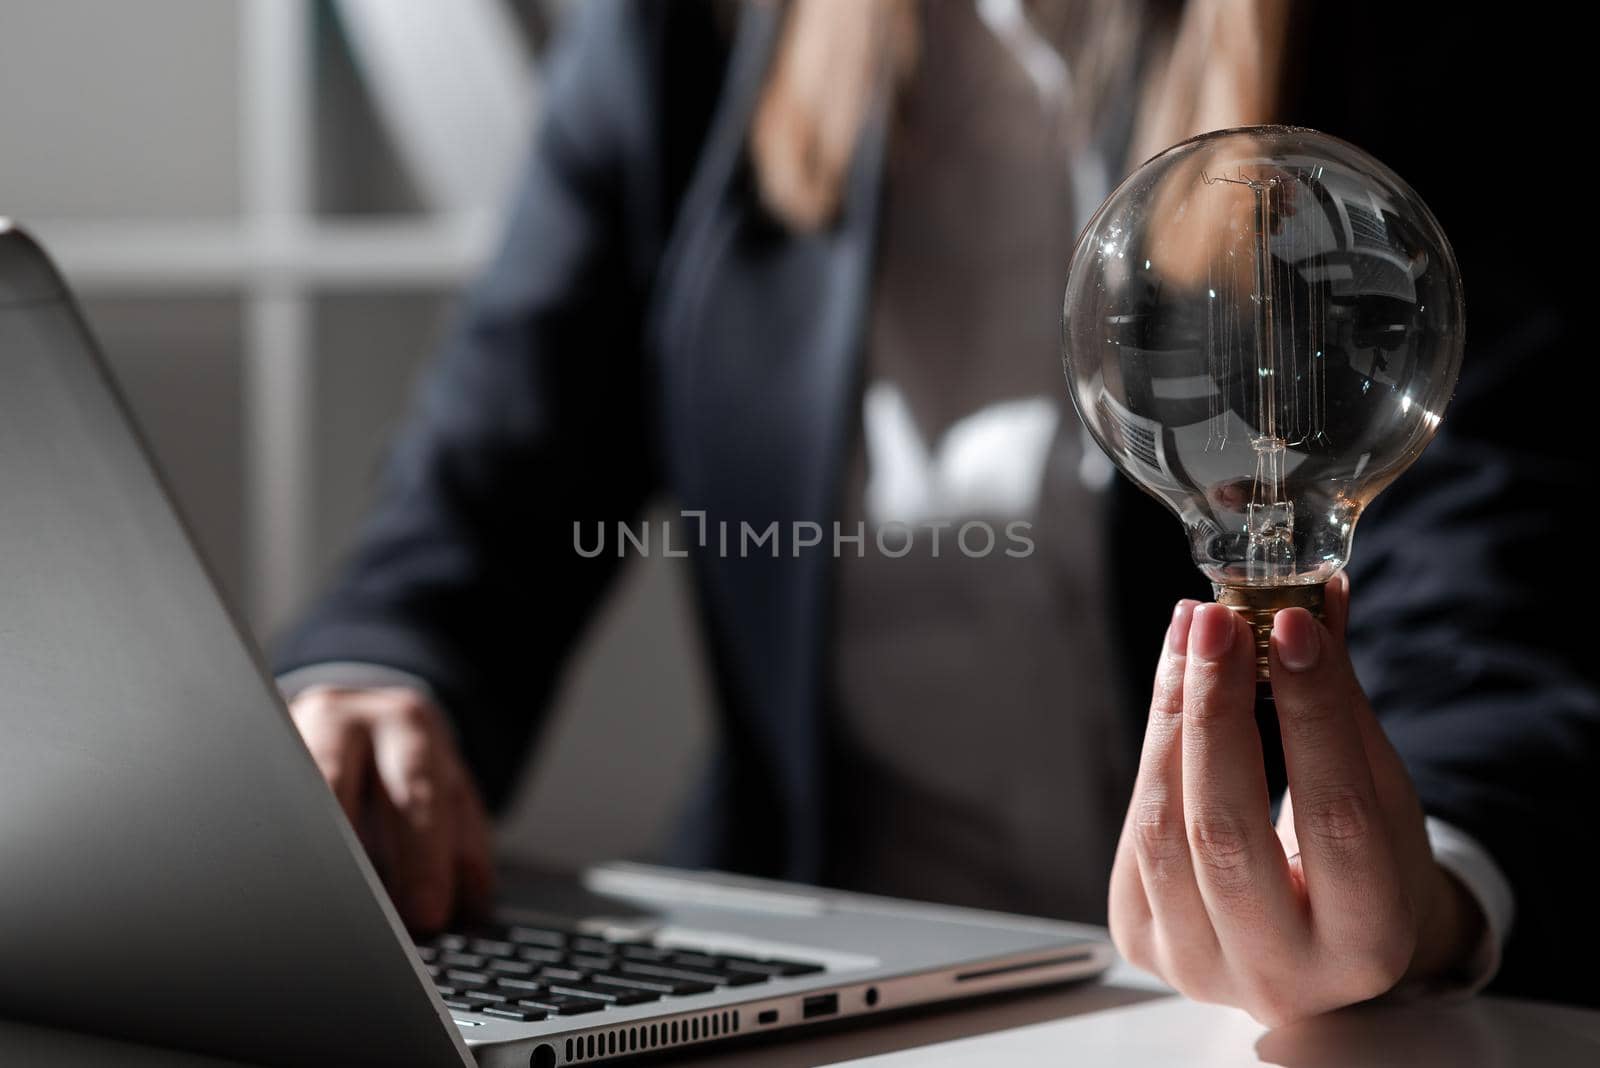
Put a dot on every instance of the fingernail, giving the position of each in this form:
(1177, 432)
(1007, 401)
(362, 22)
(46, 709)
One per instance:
(1294, 634)
(1178, 629)
(1211, 633)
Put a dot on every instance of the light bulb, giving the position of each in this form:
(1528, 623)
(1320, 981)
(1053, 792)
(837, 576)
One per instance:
(1262, 327)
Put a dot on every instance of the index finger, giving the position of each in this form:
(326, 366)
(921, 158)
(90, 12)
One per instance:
(1239, 860)
(418, 809)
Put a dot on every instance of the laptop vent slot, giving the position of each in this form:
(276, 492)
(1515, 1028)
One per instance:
(641, 1037)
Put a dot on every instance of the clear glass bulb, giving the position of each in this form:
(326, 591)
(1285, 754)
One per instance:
(1262, 327)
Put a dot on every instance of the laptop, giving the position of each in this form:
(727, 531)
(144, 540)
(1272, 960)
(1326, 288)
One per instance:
(174, 870)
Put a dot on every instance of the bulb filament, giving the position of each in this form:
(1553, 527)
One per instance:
(1269, 513)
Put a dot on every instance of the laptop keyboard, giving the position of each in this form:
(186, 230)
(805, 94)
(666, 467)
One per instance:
(531, 973)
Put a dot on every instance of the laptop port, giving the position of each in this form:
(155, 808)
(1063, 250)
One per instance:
(819, 1005)
(767, 1016)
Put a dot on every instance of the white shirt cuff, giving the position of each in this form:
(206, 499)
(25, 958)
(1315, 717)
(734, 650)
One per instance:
(1460, 854)
(349, 675)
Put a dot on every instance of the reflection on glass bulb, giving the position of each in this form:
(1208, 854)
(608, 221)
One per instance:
(1262, 327)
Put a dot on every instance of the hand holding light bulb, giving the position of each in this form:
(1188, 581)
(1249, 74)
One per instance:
(1335, 904)
(1261, 328)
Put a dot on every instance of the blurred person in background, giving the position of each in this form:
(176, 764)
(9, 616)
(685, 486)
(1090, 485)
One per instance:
(776, 261)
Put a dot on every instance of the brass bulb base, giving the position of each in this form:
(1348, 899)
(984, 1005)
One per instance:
(1259, 604)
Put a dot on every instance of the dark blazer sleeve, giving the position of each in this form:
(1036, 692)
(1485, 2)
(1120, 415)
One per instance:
(1471, 600)
(533, 418)
(1469, 576)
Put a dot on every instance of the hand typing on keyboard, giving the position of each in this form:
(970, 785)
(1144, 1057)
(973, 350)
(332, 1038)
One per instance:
(393, 765)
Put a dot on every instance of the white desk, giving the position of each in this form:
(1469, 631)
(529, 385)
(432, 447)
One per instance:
(1174, 1032)
(1124, 1022)
(1131, 1021)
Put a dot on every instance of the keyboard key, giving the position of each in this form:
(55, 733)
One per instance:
(647, 953)
(569, 975)
(428, 953)
(705, 965)
(658, 986)
(537, 936)
(612, 995)
(797, 967)
(493, 995)
(467, 975)
(773, 968)
(733, 978)
(510, 967)
(492, 947)
(687, 975)
(562, 1004)
(463, 960)
(590, 963)
(462, 1003)
(585, 944)
(541, 954)
(453, 942)
(684, 959)
(509, 982)
(523, 1013)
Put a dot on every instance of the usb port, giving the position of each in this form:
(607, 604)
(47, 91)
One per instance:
(819, 1005)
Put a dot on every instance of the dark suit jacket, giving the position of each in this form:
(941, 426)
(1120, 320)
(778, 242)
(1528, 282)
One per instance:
(647, 328)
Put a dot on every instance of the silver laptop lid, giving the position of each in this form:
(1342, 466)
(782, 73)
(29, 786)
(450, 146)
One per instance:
(172, 867)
